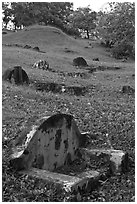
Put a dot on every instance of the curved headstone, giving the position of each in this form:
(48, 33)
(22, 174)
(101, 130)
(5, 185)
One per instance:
(17, 74)
(52, 142)
(80, 61)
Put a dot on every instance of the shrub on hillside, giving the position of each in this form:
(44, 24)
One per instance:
(107, 43)
(71, 31)
(116, 28)
(123, 49)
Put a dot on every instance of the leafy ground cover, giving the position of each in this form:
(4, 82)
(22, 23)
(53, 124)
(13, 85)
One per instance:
(102, 110)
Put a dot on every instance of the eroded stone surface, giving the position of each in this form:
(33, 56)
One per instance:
(56, 141)
(50, 144)
(85, 181)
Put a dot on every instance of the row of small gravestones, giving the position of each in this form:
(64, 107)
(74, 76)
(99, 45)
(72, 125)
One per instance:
(20, 76)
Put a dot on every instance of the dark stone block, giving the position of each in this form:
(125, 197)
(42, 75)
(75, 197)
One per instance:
(17, 74)
(80, 61)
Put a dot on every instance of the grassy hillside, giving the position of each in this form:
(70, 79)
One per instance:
(42, 36)
(100, 107)
(54, 41)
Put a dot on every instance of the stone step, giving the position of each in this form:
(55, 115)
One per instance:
(85, 181)
(117, 159)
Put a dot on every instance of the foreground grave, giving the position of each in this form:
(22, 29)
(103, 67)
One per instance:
(55, 142)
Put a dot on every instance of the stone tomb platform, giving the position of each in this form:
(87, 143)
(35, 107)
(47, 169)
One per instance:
(54, 142)
(85, 181)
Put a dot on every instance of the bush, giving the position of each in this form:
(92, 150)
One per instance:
(107, 43)
(123, 49)
(71, 31)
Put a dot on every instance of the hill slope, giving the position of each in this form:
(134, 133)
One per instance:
(38, 35)
(57, 47)
(94, 98)
(51, 39)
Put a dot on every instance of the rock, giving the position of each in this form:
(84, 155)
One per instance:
(36, 49)
(128, 90)
(52, 142)
(79, 61)
(41, 64)
(17, 74)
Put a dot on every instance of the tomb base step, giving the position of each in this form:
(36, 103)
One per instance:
(85, 181)
(117, 159)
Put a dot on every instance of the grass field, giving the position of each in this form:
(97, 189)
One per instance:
(102, 109)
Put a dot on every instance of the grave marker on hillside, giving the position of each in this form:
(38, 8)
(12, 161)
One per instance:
(16, 74)
(54, 142)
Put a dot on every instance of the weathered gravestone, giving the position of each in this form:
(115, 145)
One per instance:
(79, 61)
(51, 144)
(55, 142)
(16, 74)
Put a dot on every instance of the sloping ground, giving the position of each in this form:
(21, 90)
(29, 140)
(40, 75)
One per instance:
(102, 113)
(104, 109)
(41, 36)
(56, 43)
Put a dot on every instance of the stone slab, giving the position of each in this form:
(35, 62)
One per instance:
(86, 181)
(117, 159)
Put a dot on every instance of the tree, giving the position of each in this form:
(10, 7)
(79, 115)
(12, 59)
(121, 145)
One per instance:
(6, 13)
(27, 13)
(52, 13)
(117, 26)
(84, 19)
(21, 14)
